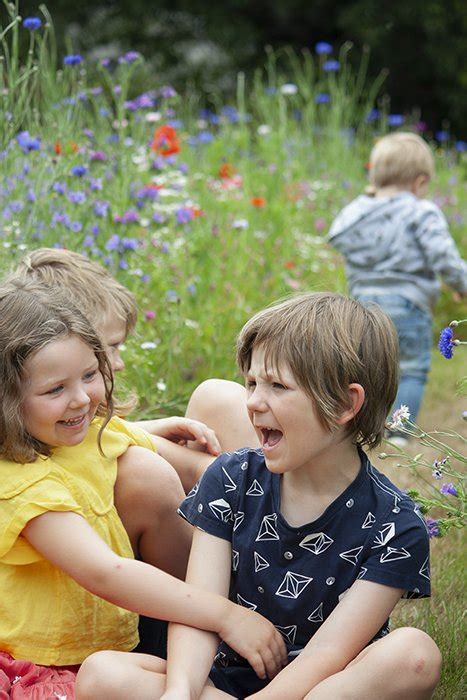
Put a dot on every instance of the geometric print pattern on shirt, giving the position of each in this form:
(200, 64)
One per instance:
(296, 576)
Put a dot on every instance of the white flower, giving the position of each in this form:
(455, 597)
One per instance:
(289, 89)
(148, 345)
(152, 117)
(161, 385)
(399, 417)
(264, 129)
(240, 223)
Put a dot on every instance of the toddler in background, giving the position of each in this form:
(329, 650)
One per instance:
(396, 245)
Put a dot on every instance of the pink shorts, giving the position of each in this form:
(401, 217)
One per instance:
(23, 680)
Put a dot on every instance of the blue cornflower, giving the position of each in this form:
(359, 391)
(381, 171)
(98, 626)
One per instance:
(113, 243)
(205, 137)
(331, 66)
(167, 91)
(184, 215)
(442, 136)
(373, 115)
(73, 59)
(32, 23)
(322, 98)
(76, 226)
(445, 344)
(122, 264)
(323, 48)
(88, 241)
(79, 170)
(77, 197)
(448, 489)
(432, 527)
(95, 184)
(28, 142)
(59, 187)
(129, 57)
(461, 146)
(129, 243)
(395, 119)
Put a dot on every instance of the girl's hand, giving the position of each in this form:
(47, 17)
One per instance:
(181, 430)
(256, 639)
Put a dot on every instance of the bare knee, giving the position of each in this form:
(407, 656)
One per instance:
(418, 658)
(97, 675)
(213, 394)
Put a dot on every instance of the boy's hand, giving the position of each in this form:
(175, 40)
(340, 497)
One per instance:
(256, 639)
(181, 430)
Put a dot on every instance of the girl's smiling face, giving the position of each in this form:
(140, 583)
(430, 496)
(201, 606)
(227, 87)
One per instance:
(62, 390)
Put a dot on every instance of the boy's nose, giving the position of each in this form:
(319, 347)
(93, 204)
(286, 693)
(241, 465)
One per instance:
(255, 401)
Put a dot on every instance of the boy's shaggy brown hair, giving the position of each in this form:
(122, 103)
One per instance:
(330, 341)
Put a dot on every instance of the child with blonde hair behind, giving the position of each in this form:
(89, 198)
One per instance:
(396, 245)
(304, 530)
(70, 585)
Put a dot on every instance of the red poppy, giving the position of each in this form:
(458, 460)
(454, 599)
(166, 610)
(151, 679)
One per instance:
(226, 171)
(58, 148)
(165, 141)
(258, 201)
(289, 265)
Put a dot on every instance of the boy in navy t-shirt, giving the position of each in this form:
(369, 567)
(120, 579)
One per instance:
(305, 530)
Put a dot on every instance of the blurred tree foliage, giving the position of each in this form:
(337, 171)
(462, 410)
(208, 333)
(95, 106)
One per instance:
(423, 43)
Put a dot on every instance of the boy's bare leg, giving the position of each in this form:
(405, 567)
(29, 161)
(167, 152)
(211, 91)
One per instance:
(404, 665)
(147, 495)
(119, 676)
(221, 404)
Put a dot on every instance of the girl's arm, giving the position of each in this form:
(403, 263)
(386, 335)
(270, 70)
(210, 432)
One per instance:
(69, 542)
(191, 651)
(353, 623)
(180, 430)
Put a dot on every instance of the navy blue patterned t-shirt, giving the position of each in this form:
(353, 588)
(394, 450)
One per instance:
(295, 576)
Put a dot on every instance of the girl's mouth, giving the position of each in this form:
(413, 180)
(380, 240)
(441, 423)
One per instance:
(73, 422)
(270, 437)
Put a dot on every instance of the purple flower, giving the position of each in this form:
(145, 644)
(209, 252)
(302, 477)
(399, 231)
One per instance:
(129, 243)
(373, 115)
(88, 241)
(445, 345)
(184, 215)
(79, 170)
(129, 57)
(95, 184)
(331, 66)
(167, 91)
(158, 218)
(32, 23)
(76, 226)
(122, 264)
(461, 146)
(101, 208)
(113, 243)
(322, 98)
(77, 197)
(448, 489)
(432, 527)
(323, 48)
(72, 59)
(395, 119)
(130, 217)
(97, 156)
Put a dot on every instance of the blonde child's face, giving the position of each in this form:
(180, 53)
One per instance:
(62, 390)
(114, 332)
(284, 418)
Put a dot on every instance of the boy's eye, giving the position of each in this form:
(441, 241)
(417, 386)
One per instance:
(250, 384)
(277, 385)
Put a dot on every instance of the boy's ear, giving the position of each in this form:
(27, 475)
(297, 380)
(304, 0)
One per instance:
(356, 397)
(420, 182)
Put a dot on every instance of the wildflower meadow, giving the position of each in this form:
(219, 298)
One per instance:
(208, 211)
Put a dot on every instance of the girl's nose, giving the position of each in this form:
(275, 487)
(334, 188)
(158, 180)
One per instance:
(80, 398)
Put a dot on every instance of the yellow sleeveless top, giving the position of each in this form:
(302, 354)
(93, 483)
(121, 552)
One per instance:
(45, 616)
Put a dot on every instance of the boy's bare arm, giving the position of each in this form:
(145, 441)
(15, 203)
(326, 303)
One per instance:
(191, 651)
(353, 623)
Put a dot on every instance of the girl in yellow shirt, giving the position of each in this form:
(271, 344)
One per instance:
(70, 585)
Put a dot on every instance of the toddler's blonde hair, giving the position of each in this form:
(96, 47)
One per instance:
(398, 159)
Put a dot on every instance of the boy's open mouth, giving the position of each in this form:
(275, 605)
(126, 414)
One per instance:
(270, 437)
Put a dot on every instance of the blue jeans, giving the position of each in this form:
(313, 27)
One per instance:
(413, 327)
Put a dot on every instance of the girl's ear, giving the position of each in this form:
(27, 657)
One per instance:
(356, 397)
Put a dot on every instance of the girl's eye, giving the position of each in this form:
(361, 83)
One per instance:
(55, 390)
(90, 375)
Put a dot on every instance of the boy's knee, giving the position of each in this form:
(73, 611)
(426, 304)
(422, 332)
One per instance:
(144, 476)
(419, 656)
(215, 392)
(96, 675)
